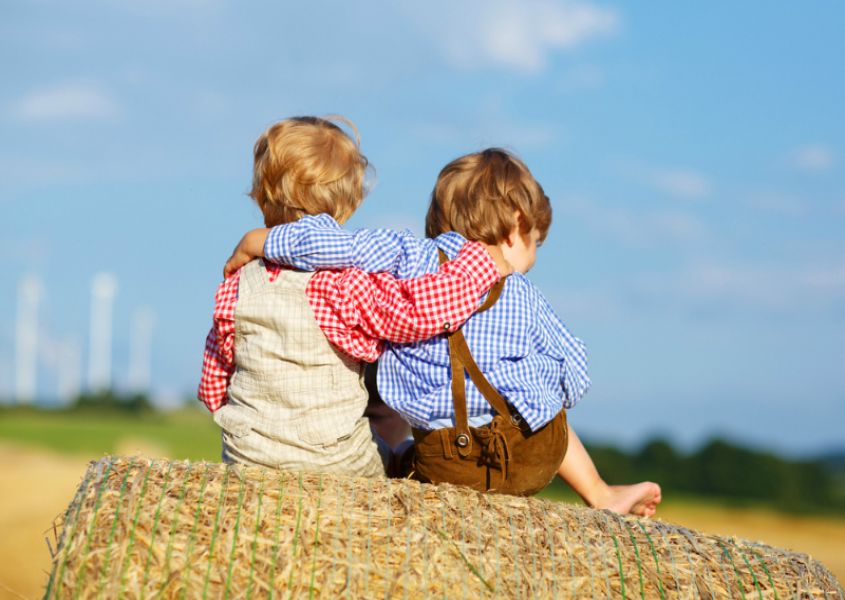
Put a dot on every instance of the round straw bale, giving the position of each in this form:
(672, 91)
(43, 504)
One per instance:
(155, 528)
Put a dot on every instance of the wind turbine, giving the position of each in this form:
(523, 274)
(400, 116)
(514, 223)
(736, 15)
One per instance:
(140, 344)
(103, 290)
(29, 297)
(68, 370)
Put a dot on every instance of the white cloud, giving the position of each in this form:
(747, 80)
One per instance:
(582, 77)
(597, 303)
(720, 289)
(490, 125)
(776, 201)
(516, 35)
(636, 228)
(812, 157)
(681, 183)
(73, 101)
(750, 287)
(498, 132)
(830, 279)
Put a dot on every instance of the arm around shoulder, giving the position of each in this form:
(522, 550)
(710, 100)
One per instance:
(378, 306)
(318, 242)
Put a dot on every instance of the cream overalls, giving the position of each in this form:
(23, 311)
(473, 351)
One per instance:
(295, 402)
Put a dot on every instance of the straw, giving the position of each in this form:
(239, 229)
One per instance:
(177, 529)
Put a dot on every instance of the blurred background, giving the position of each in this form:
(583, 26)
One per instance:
(694, 156)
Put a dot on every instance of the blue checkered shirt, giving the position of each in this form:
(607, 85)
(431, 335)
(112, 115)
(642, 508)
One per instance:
(520, 344)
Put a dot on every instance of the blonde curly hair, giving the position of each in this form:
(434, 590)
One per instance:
(308, 165)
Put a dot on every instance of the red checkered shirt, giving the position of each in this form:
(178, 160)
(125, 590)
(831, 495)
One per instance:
(357, 311)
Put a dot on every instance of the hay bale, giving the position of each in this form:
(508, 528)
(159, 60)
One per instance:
(148, 528)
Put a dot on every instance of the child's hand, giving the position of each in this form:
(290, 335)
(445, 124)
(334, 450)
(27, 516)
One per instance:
(495, 252)
(251, 246)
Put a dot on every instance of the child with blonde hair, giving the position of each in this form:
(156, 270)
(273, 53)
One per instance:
(503, 428)
(283, 362)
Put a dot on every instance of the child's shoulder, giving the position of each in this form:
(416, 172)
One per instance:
(519, 283)
(522, 288)
(230, 288)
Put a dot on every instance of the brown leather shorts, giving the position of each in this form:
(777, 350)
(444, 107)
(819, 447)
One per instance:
(504, 457)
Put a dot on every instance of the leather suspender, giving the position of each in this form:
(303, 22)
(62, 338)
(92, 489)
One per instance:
(461, 360)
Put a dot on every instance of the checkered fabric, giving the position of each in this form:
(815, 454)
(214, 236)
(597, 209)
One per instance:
(520, 344)
(357, 310)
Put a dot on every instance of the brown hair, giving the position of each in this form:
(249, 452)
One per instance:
(477, 195)
(308, 165)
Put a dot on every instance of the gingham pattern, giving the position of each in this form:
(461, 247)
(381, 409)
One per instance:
(356, 310)
(520, 344)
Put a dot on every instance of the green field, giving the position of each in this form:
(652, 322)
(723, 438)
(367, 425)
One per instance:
(184, 434)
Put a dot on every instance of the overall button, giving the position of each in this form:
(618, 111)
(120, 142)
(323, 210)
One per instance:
(462, 441)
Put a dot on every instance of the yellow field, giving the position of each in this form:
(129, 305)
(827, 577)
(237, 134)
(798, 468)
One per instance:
(820, 537)
(37, 486)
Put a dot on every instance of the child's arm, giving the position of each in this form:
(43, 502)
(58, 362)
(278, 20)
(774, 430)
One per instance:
(218, 361)
(552, 338)
(216, 372)
(356, 310)
(318, 242)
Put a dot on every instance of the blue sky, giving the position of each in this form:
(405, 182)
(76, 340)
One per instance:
(694, 154)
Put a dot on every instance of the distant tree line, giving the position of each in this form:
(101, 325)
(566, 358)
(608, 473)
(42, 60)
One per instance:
(105, 400)
(111, 400)
(721, 469)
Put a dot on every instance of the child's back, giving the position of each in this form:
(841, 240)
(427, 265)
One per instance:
(294, 401)
(283, 396)
(520, 344)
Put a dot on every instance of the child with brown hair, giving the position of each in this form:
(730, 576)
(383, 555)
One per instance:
(282, 369)
(504, 429)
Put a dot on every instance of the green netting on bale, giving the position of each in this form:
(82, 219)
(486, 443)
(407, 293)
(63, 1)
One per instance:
(146, 529)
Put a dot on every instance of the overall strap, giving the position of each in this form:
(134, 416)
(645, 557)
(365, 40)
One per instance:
(253, 277)
(461, 359)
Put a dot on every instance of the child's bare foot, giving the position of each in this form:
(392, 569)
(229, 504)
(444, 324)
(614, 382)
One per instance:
(640, 499)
